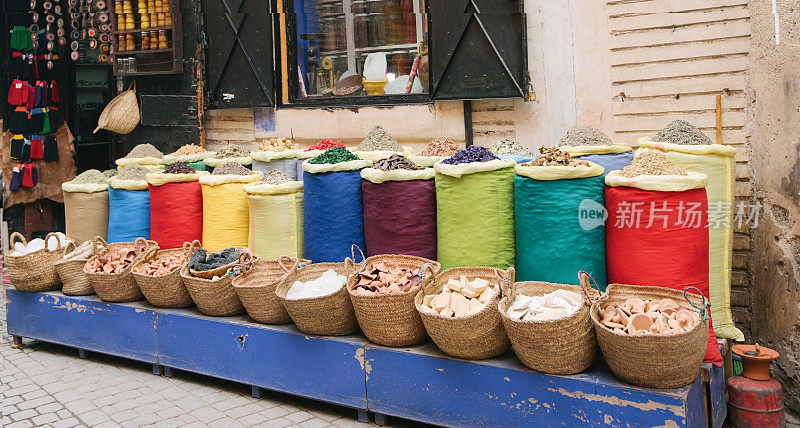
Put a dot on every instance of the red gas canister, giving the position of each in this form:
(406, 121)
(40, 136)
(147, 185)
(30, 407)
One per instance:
(754, 399)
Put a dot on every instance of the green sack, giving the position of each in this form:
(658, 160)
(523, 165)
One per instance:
(560, 229)
(475, 216)
(198, 166)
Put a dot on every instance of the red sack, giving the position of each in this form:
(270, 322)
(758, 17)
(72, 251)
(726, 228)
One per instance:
(400, 217)
(659, 238)
(176, 213)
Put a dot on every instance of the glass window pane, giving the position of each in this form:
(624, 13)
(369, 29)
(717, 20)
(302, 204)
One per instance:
(360, 47)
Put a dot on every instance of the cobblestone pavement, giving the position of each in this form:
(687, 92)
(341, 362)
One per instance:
(48, 385)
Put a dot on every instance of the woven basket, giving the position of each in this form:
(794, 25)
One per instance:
(471, 337)
(121, 115)
(190, 249)
(120, 287)
(330, 315)
(256, 290)
(652, 361)
(391, 319)
(35, 272)
(75, 282)
(166, 291)
(216, 297)
(563, 346)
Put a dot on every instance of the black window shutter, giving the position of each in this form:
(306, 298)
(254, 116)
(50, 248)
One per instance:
(240, 66)
(478, 49)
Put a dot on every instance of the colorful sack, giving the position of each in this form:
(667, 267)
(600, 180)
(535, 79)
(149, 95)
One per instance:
(399, 212)
(610, 157)
(85, 210)
(226, 215)
(719, 164)
(475, 214)
(656, 234)
(333, 212)
(128, 210)
(276, 219)
(559, 223)
(284, 161)
(176, 208)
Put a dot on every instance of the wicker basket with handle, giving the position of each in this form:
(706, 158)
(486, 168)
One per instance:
(34, 272)
(121, 115)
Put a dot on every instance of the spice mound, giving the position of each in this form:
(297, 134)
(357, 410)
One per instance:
(231, 152)
(110, 261)
(441, 146)
(585, 135)
(144, 151)
(379, 139)
(161, 266)
(37, 244)
(276, 177)
(470, 154)
(84, 251)
(651, 162)
(133, 171)
(90, 176)
(277, 145)
(179, 168)
(682, 132)
(508, 147)
(551, 306)
(461, 297)
(327, 284)
(551, 156)
(189, 149)
(382, 279)
(395, 162)
(325, 144)
(231, 168)
(109, 173)
(334, 155)
(644, 316)
(201, 260)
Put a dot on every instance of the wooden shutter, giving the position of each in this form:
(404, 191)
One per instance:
(478, 49)
(240, 59)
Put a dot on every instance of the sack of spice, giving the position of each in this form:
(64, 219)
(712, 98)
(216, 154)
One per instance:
(314, 151)
(191, 154)
(226, 215)
(437, 150)
(399, 208)
(143, 154)
(86, 206)
(691, 150)
(276, 154)
(230, 153)
(509, 149)
(658, 218)
(276, 217)
(379, 144)
(551, 205)
(484, 188)
(128, 205)
(589, 143)
(176, 207)
(333, 212)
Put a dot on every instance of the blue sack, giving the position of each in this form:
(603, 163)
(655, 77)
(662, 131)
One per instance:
(333, 215)
(518, 158)
(128, 215)
(610, 161)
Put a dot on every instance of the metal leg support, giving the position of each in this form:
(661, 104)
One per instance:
(17, 342)
(362, 416)
(156, 369)
(256, 392)
(167, 371)
(82, 353)
(380, 419)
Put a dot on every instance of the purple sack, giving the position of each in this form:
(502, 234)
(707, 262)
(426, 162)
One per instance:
(400, 217)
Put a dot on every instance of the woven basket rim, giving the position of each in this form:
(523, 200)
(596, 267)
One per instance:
(282, 295)
(437, 267)
(436, 285)
(237, 282)
(155, 255)
(37, 252)
(507, 298)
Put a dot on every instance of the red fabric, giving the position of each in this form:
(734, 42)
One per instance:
(31, 99)
(400, 217)
(18, 93)
(27, 175)
(37, 150)
(176, 214)
(673, 255)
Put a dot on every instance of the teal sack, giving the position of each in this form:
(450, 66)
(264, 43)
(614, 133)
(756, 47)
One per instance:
(560, 229)
(198, 166)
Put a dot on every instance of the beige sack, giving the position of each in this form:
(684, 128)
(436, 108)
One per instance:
(86, 215)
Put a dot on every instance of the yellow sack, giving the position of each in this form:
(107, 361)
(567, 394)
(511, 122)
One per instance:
(225, 211)
(276, 219)
(719, 164)
(85, 210)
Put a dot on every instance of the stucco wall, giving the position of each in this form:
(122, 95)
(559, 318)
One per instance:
(773, 132)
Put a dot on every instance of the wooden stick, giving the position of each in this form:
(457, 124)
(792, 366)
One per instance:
(719, 118)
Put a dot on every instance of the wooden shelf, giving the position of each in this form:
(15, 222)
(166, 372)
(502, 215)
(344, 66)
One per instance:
(141, 52)
(146, 73)
(140, 30)
(151, 62)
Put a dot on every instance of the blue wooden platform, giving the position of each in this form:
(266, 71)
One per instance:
(418, 383)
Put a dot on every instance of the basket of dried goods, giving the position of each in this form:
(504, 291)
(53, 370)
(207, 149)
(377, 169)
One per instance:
(32, 265)
(382, 289)
(212, 291)
(654, 337)
(256, 290)
(316, 299)
(110, 269)
(159, 277)
(459, 310)
(549, 325)
(75, 281)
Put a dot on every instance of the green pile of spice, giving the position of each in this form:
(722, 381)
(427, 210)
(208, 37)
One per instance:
(395, 162)
(231, 168)
(585, 135)
(276, 177)
(379, 139)
(91, 176)
(133, 171)
(682, 132)
(508, 147)
(110, 172)
(334, 155)
(144, 151)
